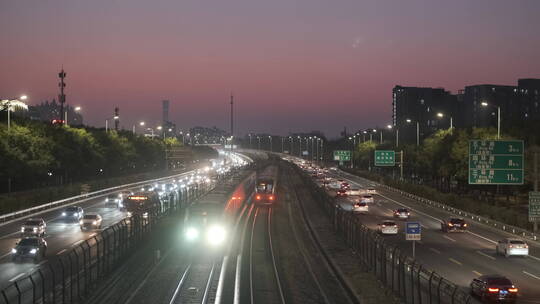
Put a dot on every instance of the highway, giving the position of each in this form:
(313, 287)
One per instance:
(61, 236)
(459, 257)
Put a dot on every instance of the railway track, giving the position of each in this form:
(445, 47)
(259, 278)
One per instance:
(194, 286)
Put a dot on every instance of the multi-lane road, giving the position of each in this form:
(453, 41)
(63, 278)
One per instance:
(459, 257)
(61, 235)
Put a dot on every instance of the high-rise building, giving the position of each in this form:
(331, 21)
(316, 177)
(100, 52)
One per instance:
(412, 105)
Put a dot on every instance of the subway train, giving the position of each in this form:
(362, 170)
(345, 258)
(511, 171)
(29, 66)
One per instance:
(265, 187)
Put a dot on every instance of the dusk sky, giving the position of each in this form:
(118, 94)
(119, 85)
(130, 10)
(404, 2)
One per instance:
(292, 65)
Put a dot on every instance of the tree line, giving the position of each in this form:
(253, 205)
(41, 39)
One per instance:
(35, 153)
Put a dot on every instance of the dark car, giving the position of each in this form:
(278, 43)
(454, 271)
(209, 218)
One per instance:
(494, 288)
(113, 200)
(454, 224)
(72, 213)
(402, 213)
(32, 248)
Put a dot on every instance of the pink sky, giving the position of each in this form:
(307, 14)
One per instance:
(293, 65)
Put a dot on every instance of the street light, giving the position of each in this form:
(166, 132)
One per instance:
(485, 104)
(115, 117)
(417, 131)
(17, 103)
(441, 115)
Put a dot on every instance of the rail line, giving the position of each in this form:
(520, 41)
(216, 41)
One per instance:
(268, 251)
(195, 278)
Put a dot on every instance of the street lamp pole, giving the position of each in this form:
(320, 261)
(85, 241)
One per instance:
(282, 139)
(498, 122)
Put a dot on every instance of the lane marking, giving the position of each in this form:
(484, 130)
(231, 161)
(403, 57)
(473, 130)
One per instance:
(485, 238)
(435, 250)
(530, 274)
(486, 255)
(455, 261)
(477, 273)
(449, 238)
(17, 276)
(61, 251)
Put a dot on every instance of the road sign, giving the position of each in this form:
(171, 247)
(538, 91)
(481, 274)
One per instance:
(496, 162)
(385, 158)
(342, 155)
(413, 231)
(534, 206)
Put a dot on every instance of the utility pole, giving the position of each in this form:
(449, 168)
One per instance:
(62, 96)
(232, 126)
(116, 118)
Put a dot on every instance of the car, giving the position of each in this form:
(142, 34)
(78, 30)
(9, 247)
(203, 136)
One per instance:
(360, 207)
(402, 213)
(341, 192)
(371, 191)
(353, 192)
(113, 199)
(367, 198)
(509, 247)
(34, 248)
(345, 185)
(90, 221)
(33, 227)
(388, 227)
(494, 288)
(72, 213)
(454, 225)
(147, 188)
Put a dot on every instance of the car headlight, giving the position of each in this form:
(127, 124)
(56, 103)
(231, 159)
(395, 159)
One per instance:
(192, 234)
(129, 214)
(216, 235)
(22, 229)
(76, 214)
(33, 251)
(13, 250)
(63, 214)
(107, 199)
(35, 229)
(94, 223)
(81, 222)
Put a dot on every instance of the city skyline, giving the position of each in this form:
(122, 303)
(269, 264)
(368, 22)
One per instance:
(292, 67)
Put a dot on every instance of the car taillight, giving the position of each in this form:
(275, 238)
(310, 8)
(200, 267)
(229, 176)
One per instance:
(511, 246)
(450, 224)
(271, 197)
(526, 246)
(512, 289)
(258, 197)
(493, 289)
(383, 226)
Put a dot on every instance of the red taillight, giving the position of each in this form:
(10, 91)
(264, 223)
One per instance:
(512, 289)
(258, 197)
(493, 289)
(271, 197)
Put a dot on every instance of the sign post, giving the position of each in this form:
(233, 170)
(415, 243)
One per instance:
(342, 155)
(496, 162)
(385, 158)
(413, 233)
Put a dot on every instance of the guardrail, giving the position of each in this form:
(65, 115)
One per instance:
(59, 203)
(477, 218)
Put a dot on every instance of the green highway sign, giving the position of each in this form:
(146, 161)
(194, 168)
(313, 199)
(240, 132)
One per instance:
(342, 155)
(534, 206)
(496, 162)
(385, 158)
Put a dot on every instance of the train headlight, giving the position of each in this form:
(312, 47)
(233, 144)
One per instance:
(216, 235)
(192, 234)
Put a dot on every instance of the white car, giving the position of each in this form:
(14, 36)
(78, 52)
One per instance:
(388, 227)
(90, 221)
(33, 227)
(360, 207)
(353, 192)
(367, 198)
(508, 247)
(371, 191)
